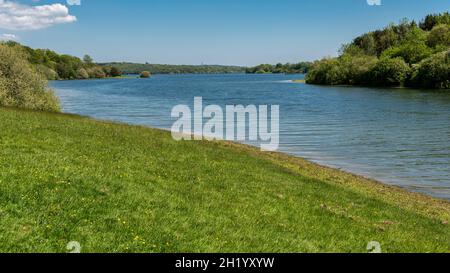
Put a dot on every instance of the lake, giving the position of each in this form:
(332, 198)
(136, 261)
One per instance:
(397, 136)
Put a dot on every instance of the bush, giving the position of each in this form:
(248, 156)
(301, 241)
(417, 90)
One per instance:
(324, 72)
(344, 70)
(145, 74)
(48, 73)
(389, 72)
(439, 36)
(115, 72)
(21, 85)
(96, 72)
(410, 53)
(386, 57)
(82, 74)
(433, 72)
(354, 69)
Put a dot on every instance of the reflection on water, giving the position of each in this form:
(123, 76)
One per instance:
(401, 137)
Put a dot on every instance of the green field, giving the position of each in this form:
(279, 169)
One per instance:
(120, 188)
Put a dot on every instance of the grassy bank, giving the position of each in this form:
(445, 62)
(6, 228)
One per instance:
(119, 188)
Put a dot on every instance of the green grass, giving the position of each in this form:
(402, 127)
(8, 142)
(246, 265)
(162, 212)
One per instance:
(298, 81)
(119, 188)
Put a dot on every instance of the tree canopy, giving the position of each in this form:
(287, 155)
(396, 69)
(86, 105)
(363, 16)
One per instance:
(136, 68)
(21, 84)
(63, 67)
(297, 68)
(405, 54)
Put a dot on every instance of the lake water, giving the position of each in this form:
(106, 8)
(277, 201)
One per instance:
(400, 137)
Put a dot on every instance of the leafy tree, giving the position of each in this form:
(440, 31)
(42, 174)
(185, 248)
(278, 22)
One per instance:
(397, 55)
(439, 36)
(433, 72)
(88, 59)
(385, 39)
(355, 69)
(298, 68)
(20, 84)
(325, 71)
(389, 72)
(136, 68)
(96, 72)
(145, 74)
(115, 72)
(432, 20)
(410, 53)
(367, 43)
(82, 74)
(48, 73)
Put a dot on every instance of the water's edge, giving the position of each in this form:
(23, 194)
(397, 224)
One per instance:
(397, 137)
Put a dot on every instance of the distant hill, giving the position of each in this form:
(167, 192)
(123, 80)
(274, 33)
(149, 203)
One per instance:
(136, 68)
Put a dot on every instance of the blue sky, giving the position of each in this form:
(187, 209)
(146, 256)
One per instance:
(240, 32)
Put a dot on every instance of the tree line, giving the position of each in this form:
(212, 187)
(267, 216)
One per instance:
(56, 66)
(137, 68)
(405, 54)
(297, 68)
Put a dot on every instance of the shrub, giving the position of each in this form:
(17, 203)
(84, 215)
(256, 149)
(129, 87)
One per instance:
(433, 72)
(21, 85)
(145, 74)
(354, 69)
(115, 72)
(324, 72)
(411, 53)
(48, 73)
(82, 74)
(439, 35)
(96, 72)
(344, 70)
(389, 72)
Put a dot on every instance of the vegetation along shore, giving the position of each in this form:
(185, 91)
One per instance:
(121, 188)
(407, 54)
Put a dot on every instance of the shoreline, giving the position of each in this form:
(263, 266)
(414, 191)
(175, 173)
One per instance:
(277, 154)
(133, 180)
(286, 154)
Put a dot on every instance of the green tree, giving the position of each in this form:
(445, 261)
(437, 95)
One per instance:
(21, 85)
(367, 43)
(96, 72)
(88, 60)
(389, 72)
(439, 36)
(115, 72)
(48, 73)
(325, 71)
(433, 72)
(82, 74)
(432, 20)
(410, 53)
(145, 74)
(354, 69)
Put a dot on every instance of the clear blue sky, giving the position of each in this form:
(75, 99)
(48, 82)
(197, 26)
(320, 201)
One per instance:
(241, 32)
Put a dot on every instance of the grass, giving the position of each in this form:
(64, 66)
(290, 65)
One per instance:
(298, 81)
(120, 188)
